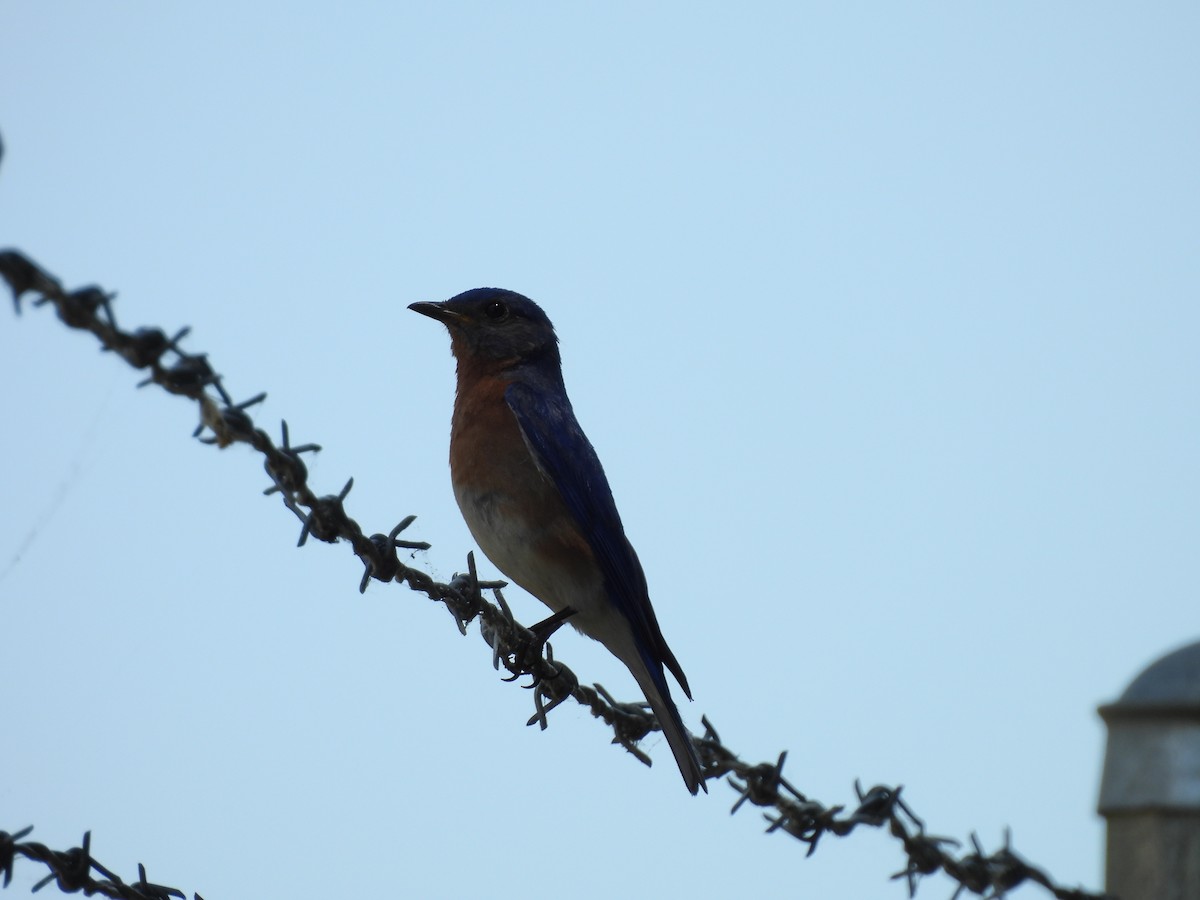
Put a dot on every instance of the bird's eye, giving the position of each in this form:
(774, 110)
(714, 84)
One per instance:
(496, 310)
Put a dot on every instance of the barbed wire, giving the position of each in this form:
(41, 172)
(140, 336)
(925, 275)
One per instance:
(513, 646)
(72, 870)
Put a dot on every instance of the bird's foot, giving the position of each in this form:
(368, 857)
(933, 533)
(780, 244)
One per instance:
(533, 648)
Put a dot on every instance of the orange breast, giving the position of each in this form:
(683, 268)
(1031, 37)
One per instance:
(514, 511)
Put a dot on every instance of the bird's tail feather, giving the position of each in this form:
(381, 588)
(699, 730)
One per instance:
(653, 683)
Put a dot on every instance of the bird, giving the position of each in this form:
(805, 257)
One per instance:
(535, 497)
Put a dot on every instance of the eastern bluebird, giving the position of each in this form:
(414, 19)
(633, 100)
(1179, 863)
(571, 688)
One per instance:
(534, 495)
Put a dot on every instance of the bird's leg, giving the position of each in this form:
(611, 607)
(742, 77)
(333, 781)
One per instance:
(535, 655)
(540, 633)
(532, 646)
(543, 630)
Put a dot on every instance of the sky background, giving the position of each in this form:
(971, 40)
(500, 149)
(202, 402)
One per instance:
(883, 319)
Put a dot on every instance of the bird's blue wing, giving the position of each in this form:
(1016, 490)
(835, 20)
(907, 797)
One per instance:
(568, 459)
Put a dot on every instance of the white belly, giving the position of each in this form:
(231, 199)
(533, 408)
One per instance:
(523, 550)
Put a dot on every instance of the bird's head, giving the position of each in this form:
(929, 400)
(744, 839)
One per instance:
(496, 325)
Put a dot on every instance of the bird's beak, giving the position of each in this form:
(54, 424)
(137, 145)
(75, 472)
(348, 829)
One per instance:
(437, 311)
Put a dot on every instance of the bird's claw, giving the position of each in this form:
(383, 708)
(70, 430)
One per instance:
(533, 647)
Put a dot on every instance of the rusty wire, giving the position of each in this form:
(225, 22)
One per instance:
(513, 646)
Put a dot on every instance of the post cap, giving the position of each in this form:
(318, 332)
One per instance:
(1152, 762)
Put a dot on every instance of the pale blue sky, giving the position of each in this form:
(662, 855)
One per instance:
(882, 317)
